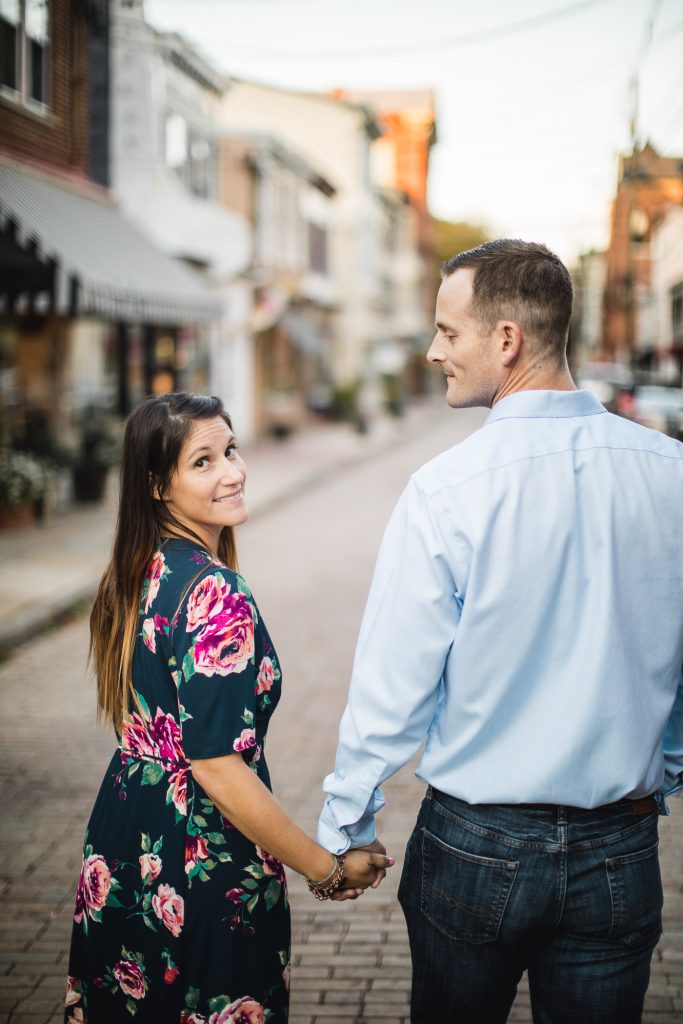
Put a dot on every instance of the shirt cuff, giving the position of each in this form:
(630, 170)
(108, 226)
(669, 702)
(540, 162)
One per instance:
(338, 838)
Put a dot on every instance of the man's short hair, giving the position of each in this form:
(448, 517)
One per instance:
(520, 281)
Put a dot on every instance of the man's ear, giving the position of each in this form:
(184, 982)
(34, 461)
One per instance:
(509, 340)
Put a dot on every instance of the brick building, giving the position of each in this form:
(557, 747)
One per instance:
(91, 312)
(648, 185)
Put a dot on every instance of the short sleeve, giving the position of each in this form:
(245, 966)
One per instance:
(214, 647)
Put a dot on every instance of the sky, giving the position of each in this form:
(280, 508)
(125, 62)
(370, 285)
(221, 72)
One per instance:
(533, 98)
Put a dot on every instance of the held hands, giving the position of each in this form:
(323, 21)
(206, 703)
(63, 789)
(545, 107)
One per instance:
(364, 868)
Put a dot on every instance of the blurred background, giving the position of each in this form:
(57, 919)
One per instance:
(252, 198)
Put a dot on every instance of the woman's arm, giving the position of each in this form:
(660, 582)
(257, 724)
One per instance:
(242, 798)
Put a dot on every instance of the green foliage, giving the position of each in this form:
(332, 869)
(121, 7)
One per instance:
(452, 237)
(24, 477)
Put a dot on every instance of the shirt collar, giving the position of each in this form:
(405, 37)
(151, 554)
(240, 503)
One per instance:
(545, 404)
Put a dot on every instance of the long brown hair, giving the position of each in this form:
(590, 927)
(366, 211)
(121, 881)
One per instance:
(155, 434)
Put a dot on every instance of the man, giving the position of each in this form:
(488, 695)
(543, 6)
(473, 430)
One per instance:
(525, 620)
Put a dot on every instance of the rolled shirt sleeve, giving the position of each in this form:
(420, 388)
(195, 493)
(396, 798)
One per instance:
(409, 625)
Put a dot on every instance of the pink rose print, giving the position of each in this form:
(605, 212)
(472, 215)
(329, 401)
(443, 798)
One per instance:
(266, 675)
(150, 866)
(177, 791)
(205, 600)
(286, 975)
(93, 886)
(153, 578)
(226, 643)
(271, 865)
(150, 627)
(169, 908)
(195, 850)
(148, 637)
(243, 1011)
(165, 734)
(136, 738)
(73, 995)
(129, 975)
(246, 740)
(189, 1017)
(234, 895)
(158, 738)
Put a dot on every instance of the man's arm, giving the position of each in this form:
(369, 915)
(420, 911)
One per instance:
(408, 628)
(673, 747)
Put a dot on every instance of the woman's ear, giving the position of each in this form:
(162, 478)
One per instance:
(153, 488)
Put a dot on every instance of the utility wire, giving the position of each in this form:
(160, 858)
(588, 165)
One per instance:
(466, 39)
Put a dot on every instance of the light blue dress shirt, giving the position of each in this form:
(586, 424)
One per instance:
(525, 619)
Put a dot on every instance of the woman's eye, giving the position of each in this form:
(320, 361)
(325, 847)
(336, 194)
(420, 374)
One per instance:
(200, 463)
(231, 450)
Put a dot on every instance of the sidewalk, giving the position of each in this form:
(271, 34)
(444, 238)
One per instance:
(48, 571)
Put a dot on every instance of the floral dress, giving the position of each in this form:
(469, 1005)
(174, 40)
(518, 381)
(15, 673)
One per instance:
(179, 917)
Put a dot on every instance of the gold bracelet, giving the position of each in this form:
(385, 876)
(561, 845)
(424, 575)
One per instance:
(327, 878)
(327, 890)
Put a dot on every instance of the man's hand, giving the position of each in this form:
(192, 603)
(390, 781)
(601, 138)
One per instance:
(381, 862)
(377, 847)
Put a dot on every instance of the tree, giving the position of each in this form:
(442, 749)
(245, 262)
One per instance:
(452, 237)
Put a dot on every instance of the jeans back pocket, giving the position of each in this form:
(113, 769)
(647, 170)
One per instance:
(464, 895)
(635, 884)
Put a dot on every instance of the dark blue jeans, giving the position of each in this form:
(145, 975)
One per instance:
(573, 896)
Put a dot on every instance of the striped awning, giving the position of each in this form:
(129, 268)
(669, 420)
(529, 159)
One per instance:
(104, 266)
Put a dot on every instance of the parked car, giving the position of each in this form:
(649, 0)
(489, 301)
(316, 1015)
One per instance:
(659, 407)
(607, 381)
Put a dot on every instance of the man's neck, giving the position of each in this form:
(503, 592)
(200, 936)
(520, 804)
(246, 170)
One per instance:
(534, 378)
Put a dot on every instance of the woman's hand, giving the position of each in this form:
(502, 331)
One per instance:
(362, 868)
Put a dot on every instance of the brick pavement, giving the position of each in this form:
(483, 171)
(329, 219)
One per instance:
(309, 566)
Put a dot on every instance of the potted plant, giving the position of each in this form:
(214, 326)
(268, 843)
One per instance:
(27, 483)
(98, 451)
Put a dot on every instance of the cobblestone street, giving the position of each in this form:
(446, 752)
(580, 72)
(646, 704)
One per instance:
(309, 564)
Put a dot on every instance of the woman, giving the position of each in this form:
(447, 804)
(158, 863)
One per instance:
(181, 910)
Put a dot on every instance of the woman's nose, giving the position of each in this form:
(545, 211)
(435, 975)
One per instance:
(234, 470)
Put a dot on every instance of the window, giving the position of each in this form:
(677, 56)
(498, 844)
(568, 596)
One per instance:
(24, 35)
(317, 248)
(191, 154)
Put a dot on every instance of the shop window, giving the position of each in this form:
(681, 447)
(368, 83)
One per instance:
(24, 38)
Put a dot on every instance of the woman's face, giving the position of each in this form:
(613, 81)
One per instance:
(207, 489)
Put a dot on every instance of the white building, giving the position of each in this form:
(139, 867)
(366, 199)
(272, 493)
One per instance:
(590, 277)
(335, 138)
(290, 206)
(164, 172)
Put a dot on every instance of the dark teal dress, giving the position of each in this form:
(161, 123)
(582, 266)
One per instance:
(179, 917)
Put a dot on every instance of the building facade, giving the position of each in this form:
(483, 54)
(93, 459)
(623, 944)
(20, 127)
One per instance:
(289, 205)
(647, 185)
(165, 158)
(87, 303)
